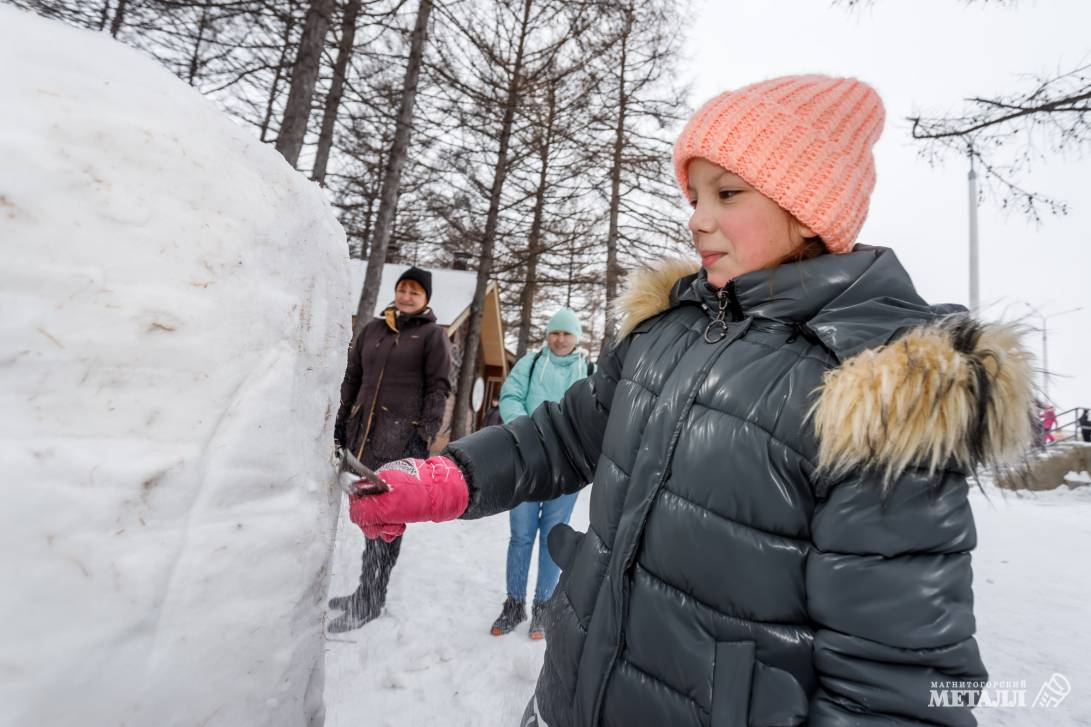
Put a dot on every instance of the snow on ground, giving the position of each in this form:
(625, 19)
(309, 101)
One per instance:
(1033, 597)
(175, 309)
(429, 659)
(1077, 478)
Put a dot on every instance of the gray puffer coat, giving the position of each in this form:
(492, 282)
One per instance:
(779, 526)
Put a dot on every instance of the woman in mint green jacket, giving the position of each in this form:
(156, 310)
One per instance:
(543, 375)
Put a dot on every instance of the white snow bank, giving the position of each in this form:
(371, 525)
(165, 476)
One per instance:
(175, 307)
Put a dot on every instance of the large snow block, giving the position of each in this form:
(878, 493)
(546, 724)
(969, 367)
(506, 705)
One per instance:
(175, 307)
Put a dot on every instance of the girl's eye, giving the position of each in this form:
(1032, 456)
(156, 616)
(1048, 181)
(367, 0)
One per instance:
(728, 193)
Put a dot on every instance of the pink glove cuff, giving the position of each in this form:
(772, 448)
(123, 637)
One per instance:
(449, 493)
(387, 532)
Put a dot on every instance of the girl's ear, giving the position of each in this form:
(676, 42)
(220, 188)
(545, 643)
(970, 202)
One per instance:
(804, 231)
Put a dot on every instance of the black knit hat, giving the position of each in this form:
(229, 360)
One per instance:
(423, 277)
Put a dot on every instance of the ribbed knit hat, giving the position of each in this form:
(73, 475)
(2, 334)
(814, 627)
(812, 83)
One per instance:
(803, 141)
(419, 276)
(566, 320)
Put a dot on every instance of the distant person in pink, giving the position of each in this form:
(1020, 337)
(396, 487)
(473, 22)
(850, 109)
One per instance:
(1049, 421)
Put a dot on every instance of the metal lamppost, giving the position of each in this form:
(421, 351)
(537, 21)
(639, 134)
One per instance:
(1044, 318)
(975, 290)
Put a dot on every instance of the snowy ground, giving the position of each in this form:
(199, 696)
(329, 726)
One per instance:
(429, 660)
(1033, 595)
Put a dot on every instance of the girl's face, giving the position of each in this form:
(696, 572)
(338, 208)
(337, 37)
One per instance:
(409, 297)
(737, 229)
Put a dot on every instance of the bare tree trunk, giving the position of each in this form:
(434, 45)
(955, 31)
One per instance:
(304, 75)
(613, 273)
(373, 199)
(333, 98)
(388, 198)
(119, 17)
(289, 25)
(195, 59)
(571, 275)
(530, 288)
(365, 239)
(459, 420)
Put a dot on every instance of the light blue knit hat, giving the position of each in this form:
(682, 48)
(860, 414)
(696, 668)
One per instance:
(565, 320)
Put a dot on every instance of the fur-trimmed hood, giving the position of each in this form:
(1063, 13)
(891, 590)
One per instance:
(648, 292)
(916, 385)
(954, 390)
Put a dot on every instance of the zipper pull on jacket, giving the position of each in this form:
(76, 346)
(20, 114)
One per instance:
(726, 300)
(717, 327)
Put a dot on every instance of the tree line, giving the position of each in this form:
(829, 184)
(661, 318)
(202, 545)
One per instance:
(527, 140)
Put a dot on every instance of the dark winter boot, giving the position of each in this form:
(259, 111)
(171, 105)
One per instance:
(513, 614)
(342, 603)
(358, 614)
(537, 621)
(366, 602)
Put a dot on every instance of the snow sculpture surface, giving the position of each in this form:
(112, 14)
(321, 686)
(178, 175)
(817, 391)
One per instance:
(175, 308)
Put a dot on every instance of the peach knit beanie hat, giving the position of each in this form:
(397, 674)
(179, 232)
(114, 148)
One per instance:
(803, 141)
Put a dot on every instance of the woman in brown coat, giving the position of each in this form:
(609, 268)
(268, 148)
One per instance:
(392, 402)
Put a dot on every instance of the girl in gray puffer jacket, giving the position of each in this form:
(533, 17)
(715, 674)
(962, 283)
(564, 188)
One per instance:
(779, 444)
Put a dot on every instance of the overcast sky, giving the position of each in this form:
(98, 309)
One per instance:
(927, 55)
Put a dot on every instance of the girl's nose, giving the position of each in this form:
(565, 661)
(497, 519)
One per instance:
(699, 220)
